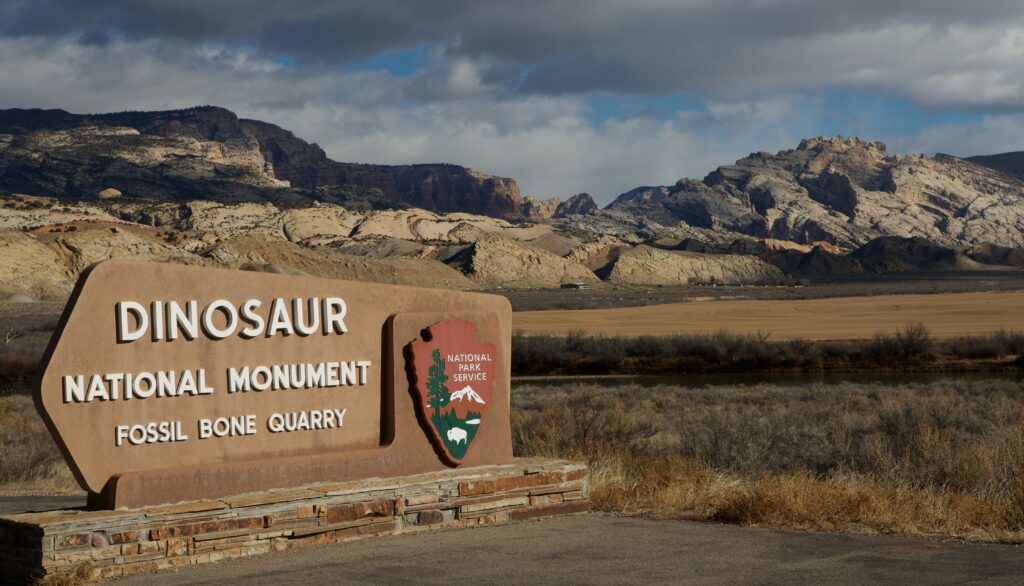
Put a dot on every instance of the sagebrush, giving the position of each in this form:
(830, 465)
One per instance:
(918, 459)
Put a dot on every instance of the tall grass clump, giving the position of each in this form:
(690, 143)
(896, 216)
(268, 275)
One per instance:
(998, 344)
(29, 459)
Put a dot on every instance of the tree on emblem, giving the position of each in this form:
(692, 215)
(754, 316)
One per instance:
(437, 393)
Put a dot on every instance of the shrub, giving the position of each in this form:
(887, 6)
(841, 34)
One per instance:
(943, 458)
(910, 347)
(18, 366)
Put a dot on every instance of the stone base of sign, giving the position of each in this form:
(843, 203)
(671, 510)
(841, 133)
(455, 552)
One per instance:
(122, 542)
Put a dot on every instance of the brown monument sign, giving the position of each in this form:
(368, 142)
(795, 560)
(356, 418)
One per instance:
(167, 383)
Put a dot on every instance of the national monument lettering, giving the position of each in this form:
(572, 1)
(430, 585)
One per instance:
(183, 322)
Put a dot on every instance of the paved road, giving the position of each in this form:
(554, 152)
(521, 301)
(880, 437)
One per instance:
(603, 549)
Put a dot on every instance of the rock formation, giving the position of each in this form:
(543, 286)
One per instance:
(581, 204)
(1011, 164)
(644, 265)
(494, 261)
(845, 192)
(539, 209)
(210, 153)
(250, 253)
(28, 267)
(201, 186)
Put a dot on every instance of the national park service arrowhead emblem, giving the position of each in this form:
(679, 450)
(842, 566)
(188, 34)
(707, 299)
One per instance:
(453, 378)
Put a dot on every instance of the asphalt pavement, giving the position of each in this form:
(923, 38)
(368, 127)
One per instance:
(606, 549)
(601, 549)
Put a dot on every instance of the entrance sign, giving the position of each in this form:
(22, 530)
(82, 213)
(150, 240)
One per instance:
(166, 383)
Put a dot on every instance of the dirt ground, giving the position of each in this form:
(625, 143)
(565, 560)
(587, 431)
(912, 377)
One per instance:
(946, 315)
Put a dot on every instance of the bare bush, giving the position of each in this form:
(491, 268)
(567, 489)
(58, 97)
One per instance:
(908, 348)
(12, 335)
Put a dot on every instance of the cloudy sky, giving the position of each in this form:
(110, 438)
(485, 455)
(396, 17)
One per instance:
(562, 95)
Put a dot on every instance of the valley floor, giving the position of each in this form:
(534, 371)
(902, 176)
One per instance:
(945, 315)
(604, 296)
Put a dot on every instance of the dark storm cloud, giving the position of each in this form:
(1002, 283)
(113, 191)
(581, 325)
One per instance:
(508, 87)
(726, 47)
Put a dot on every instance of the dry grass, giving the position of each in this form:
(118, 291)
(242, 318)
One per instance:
(29, 459)
(943, 459)
(77, 576)
(947, 315)
(940, 459)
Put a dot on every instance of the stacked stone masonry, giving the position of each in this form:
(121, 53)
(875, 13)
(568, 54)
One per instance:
(116, 543)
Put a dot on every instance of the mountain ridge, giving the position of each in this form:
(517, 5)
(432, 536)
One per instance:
(211, 152)
(203, 186)
(1010, 163)
(843, 191)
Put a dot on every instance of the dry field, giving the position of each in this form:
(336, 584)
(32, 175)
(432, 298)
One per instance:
(946, 315)
(939, 459)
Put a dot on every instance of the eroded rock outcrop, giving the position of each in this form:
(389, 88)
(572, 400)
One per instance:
(645, 265)
(494, 261)
(1011, 164)
(210, 153)
(539, 209)
(845, 192)
(252, 253)
(581, 204)
(90, 244)
(28, 267)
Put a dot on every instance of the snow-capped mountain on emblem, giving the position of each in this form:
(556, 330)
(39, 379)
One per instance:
(467, 393)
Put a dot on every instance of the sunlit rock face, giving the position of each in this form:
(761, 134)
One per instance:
(210, 153)
(846, 192)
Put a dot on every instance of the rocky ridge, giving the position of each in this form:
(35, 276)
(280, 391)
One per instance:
(1011, 164)
(46, 244)
(210, 153)
(842, 191)
(202, 186)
